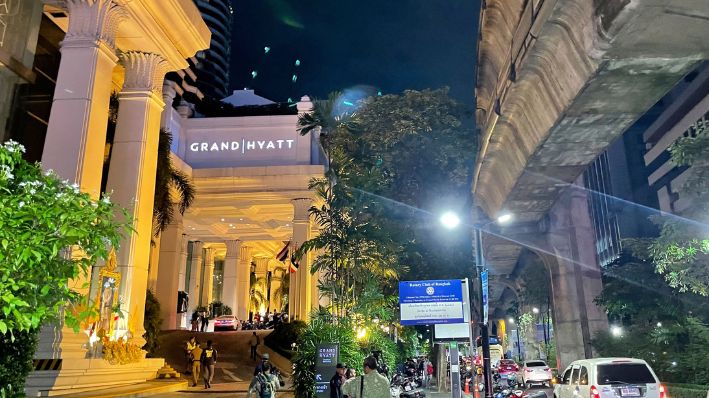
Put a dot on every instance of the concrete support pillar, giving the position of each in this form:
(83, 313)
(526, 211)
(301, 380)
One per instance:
(303, 294)
(195, 277)
(168, 270)
(76, 133)
(131, 175)
(182, 275)
(292, 290)
(243, 285)
(229, 296)
(208, 278)
(575, 278)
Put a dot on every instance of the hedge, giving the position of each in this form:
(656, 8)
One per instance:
(676, 390)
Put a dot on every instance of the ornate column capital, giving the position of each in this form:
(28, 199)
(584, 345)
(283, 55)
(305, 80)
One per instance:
(261, 264)
(209, 257)
(197, 247)
(232, 248)
(144, 71)
(300, 209)
(95, 20)
(245, 253)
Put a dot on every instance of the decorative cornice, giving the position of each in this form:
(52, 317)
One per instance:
(144, 71)
(95, 20)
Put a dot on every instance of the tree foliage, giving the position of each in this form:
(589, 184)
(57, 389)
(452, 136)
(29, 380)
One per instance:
(41, 217)
(173, 188)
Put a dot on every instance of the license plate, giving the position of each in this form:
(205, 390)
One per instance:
(629, 392)
(503, 375)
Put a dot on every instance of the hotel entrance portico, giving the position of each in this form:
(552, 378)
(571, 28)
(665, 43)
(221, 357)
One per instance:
(251, 176)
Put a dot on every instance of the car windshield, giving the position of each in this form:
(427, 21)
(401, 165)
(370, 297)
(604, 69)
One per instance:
(534, 364)
(626, 373)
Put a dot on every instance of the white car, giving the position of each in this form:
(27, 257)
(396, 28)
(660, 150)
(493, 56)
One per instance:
(226, 322)
(609, 378)
(536, 372)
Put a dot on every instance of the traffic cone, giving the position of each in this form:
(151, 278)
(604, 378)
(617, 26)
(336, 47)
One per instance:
(467, 386)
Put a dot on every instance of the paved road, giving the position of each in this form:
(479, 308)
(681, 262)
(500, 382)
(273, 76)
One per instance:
(233, 366)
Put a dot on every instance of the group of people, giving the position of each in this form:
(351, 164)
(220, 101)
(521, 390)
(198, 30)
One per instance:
(200, 321)
(201, 361)
(372, 384)
(418, 367)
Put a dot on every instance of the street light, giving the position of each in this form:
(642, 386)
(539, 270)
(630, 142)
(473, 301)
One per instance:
(450, 220)
(535, 310)
(616, 331)
(511, 321)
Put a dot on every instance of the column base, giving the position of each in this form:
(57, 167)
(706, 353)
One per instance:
(77, 375)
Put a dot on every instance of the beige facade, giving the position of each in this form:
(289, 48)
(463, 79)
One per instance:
(124, 46)
(251, 175)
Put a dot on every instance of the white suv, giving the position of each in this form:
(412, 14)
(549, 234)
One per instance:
(609, 378)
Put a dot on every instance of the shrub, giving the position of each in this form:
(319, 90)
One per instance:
(16, 360)
(217, 308)
(686, 391)
(322, 330)
(284, 335)
(152, 323)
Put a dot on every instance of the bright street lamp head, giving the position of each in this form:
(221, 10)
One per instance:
(504, 218)
(616, 331)
(450, 220)
(510, 320)
(535, 310)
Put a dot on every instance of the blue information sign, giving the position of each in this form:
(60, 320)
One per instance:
(431, 302)
(484, 280)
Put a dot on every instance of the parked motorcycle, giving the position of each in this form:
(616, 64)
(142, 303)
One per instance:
(406, 387)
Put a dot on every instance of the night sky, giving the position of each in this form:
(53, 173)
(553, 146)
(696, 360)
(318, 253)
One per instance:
(391, 45)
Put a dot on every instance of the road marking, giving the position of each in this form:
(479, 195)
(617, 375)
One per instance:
(231, 375)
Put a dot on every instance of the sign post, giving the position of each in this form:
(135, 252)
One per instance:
(325, 362)
(484, 280)
(431, 302)
(455, 370)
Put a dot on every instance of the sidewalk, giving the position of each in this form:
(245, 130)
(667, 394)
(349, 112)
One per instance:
(433, 393)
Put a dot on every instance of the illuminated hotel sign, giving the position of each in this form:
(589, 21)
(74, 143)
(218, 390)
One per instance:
(242, 146)
(252, 141)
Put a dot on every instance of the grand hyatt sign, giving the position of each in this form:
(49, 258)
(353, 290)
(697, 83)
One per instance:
(241, 146)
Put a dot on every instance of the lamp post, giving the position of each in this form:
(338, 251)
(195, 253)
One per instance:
(450, 220)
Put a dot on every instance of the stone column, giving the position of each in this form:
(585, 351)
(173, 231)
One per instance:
(292, 288)
(154, 261)
(229, 296)
(168, 271)
(208, 278)
(168, 97)
(76, 134)
(195, 276)
(243, 288)
(181, 277)
(131, 175)
(301, 233)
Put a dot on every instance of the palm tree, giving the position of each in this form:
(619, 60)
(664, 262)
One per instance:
(281, 292)
(259, 292)
(168, 179)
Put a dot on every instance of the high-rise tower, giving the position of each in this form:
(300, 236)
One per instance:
(213, 67)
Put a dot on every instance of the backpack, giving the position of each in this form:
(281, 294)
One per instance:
(264, 386)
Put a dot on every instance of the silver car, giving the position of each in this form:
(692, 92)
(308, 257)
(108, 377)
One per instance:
(536, 372)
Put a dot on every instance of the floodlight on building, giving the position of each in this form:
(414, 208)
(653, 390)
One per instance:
(504, 218)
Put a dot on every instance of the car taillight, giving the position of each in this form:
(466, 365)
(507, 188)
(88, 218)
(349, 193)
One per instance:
(663, 394)
(594, 392)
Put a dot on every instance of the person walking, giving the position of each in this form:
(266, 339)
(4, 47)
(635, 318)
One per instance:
(264, 384)
(264, 361)
(189, 346)
(196, 361)
(254, 342)
(209, 360)
(195, 322)
(205, 321)
(370, 385)
(336, 381)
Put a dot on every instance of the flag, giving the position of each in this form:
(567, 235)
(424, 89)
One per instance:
(293, 260)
